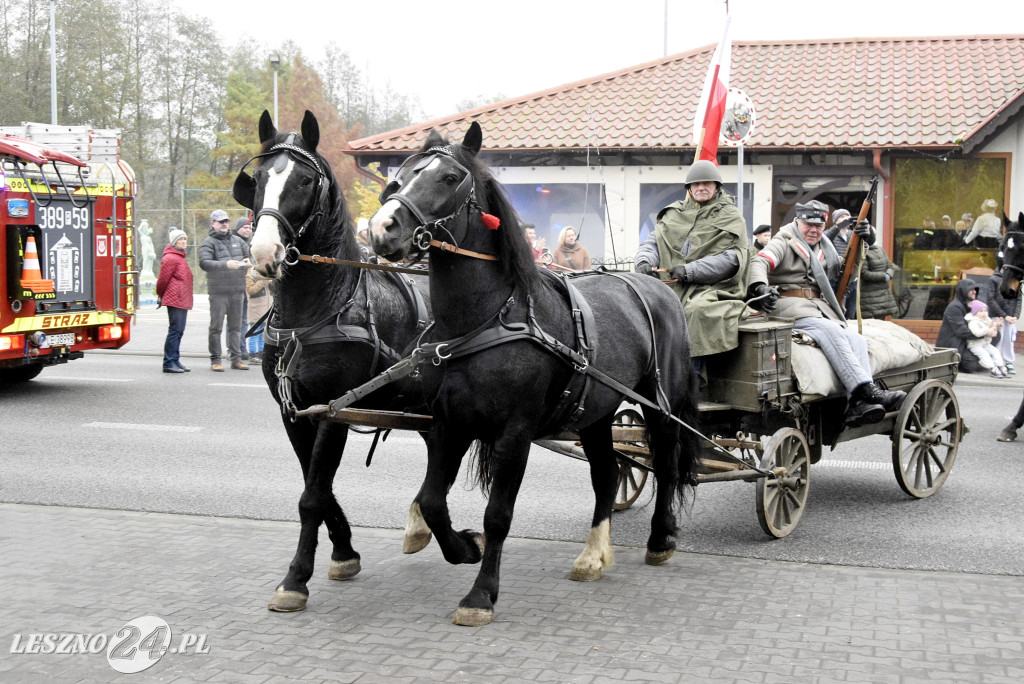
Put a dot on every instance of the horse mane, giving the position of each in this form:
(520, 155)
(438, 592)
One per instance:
(514, 252)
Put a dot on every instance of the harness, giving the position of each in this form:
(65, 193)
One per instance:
(333, 330)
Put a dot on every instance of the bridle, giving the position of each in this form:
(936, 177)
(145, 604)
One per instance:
(293, 235)
(1016, 272)
(465, 197)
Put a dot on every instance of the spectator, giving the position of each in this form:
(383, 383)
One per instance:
(571, 255)
(954, 331)
(702, 242)
(987, 231)
(243, 229)
(985, 330)
(174, 289)
(257, 289)
(1006, 309)
(876, 299)
(762, 234)
(225, 258)
(839, 233)
(537, 245)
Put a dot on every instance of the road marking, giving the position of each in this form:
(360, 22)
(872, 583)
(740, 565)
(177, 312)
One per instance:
(236, 384)
(868, 465)
(147, 427)
(97, 379)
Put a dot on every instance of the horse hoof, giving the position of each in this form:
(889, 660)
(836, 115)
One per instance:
(481, 542)
(287, 601)
(585, 574)
(343, 570)
(658, 557)
(414, 543)
(473, 617)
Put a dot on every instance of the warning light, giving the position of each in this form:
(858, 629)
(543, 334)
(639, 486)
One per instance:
(11, 342)
(109, 333)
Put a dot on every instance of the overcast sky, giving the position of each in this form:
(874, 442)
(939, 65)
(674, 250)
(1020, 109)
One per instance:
(445, 51)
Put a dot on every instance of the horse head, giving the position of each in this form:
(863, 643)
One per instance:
(287, 192)
(444, 195)
(1012, 250)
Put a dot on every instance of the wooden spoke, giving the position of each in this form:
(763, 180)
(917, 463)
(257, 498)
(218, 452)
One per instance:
(926, 438)
(781, 500)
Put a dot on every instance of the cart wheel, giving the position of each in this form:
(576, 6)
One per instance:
(926, 438)
(631, 478)
(781, 500)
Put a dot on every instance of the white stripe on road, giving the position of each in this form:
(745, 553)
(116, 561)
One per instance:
(98, 379)
(236, 384)
(869, 465)
(147, 427)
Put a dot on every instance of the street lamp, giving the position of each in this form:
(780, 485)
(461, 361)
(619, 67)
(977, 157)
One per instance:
(275, 62)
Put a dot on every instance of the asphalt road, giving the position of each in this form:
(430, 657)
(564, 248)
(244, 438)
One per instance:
(112, 431)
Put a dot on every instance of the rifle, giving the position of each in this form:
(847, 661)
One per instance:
(851, 258)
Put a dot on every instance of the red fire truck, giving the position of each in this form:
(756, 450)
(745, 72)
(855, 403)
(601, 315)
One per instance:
(68, 282)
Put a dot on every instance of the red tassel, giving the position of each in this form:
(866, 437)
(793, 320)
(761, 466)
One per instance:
(491, 222)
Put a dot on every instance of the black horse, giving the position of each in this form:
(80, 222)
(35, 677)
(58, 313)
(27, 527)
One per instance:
(518, 357)
(1012, 249)
(333, 327)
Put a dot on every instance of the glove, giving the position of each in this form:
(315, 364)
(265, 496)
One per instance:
(865, 231)
(644, 268)
(771, 297)
(679, 273)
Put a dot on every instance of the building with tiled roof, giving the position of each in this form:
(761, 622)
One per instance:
(939, 119)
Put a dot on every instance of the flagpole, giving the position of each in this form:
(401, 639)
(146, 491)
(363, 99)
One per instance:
(739, 187)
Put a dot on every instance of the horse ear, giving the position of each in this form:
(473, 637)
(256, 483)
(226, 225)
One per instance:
(1006, 220)
(473, 140)
(244, 190)
(1020, 220)
(434, 139)
(267, 130)
(310, 131)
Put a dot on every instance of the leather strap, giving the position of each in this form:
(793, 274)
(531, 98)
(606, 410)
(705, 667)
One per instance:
(803, 293)
(464, 252)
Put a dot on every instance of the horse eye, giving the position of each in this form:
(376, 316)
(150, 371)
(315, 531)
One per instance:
(451, 179)
(307, 182)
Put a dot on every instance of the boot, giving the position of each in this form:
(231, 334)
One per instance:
(860, 412)
(871, 393)
(1008, 434)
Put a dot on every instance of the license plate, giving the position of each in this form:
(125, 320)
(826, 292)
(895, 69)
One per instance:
(60, 340)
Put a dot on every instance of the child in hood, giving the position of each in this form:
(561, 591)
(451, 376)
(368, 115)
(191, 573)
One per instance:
(985, 329)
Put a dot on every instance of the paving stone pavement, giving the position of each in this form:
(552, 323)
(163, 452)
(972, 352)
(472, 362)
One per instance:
(698, 618)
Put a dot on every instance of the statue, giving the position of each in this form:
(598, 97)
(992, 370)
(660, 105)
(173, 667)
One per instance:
(148, 252)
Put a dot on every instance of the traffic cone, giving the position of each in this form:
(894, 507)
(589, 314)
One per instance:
(31, 276)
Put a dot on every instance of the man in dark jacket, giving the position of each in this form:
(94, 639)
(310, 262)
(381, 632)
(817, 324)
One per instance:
(225, 258)
(954, 331)
(1008, 310)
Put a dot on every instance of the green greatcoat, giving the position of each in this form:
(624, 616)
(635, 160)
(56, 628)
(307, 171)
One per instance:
(687, 232)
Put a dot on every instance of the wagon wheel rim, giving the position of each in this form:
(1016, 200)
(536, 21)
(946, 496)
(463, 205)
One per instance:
(631, 479)
(926, 438)
(781, 500)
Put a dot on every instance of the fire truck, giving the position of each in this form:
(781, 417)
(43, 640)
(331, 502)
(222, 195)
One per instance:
(68, 282)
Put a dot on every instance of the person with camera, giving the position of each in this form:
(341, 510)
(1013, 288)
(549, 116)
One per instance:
(792, 275)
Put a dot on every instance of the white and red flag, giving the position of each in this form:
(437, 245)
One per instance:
(707, 122)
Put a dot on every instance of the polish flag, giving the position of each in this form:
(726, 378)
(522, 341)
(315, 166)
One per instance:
(707, 122)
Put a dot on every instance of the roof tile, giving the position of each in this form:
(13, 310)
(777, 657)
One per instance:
(855, 92)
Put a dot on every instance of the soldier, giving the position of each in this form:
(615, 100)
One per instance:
(702, 241)
(797, 264)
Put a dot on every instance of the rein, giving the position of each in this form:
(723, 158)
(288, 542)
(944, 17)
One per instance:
(317, 259)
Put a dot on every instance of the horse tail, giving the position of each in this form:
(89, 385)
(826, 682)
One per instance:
(481, 457)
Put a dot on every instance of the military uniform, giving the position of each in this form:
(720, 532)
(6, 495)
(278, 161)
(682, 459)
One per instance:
(787, 263)
(700, 238)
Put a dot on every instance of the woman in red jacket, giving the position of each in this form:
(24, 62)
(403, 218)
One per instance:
(174, 288)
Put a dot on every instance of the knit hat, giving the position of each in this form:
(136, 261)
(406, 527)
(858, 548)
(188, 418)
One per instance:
(244, 221)
(977, 305)
(175, 234)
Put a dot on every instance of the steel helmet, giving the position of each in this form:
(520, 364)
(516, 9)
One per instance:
(701, 171)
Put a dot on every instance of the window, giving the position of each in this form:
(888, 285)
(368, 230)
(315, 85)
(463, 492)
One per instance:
(553, 206)
(943, 214)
